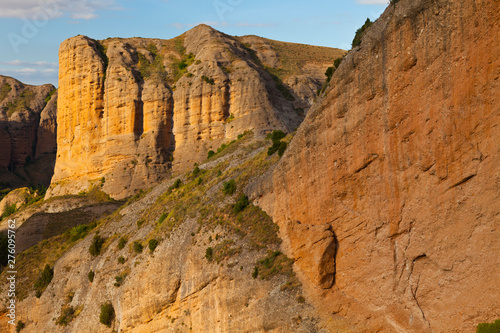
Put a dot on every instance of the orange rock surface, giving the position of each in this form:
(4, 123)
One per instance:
(401, 159)
(133, 110)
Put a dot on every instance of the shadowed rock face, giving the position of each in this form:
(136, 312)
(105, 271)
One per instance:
(27, 133)
(401, 160)
(131, 111)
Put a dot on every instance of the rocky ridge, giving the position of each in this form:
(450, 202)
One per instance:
(27, 133)
(133, 110)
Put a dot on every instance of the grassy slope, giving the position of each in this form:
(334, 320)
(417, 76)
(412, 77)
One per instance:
(198, 196)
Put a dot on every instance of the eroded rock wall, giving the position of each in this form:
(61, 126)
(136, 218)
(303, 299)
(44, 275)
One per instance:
(131, 111)
(27, 132)
(401, 160)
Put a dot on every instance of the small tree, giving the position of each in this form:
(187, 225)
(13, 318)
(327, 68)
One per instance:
(153, 243)
(241, 204)
(121, 242)
(229, 187)
(209, 252)
(44, 280)
(360, 32)
(137, 247)
(96, 245)
(91, 276)
(107, 314)
(20, 325)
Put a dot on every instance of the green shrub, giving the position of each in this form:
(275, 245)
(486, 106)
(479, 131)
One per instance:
(121, 260)
(80, 231)
(221, 148)
(209, 252)
(49, 96)
(329, 73)
(301, 299)
(67, 315)
(229, 188)
(4, 91)
(140, 223)
(282, 148)
(91, 276)
(276, 135)
(208, 80)
(241, 204)
(210, 153)
(20, 325)
(153, 243)
(196, 171)
(177, 184)
(336, 62)
(360, 32)
(120, 279)
(137, 247)
(96, 245)
(121, 242)
(199, 180)
(44, 280)
(489, 328)
(255, 272)
(278, 145)
(162, 218)
(9, 210)
(274, 148)
(107, 314)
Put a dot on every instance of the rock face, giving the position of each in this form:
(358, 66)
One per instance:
(133, 110)
(401, 160)
(27, 132)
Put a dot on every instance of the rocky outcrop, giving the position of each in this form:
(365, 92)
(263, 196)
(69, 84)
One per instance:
(131, 111)
(27, 132)
(401, 159)
(17, 197)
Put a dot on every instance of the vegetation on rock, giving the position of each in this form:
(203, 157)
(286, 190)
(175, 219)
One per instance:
(44, 280)
(96, 245)
(489, 327)
(107, 314)
(360, 32)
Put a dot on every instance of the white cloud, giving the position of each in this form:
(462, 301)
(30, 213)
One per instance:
(32, 75)
(372, 2)
(43, 10)
(38, 64)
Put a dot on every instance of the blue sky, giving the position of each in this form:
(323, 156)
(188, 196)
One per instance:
(31, 30)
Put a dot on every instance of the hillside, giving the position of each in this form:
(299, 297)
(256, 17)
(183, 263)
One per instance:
(189, 255)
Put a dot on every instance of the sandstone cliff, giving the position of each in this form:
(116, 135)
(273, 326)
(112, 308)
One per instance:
(27, 133)
(132, 110)
(397, 167)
